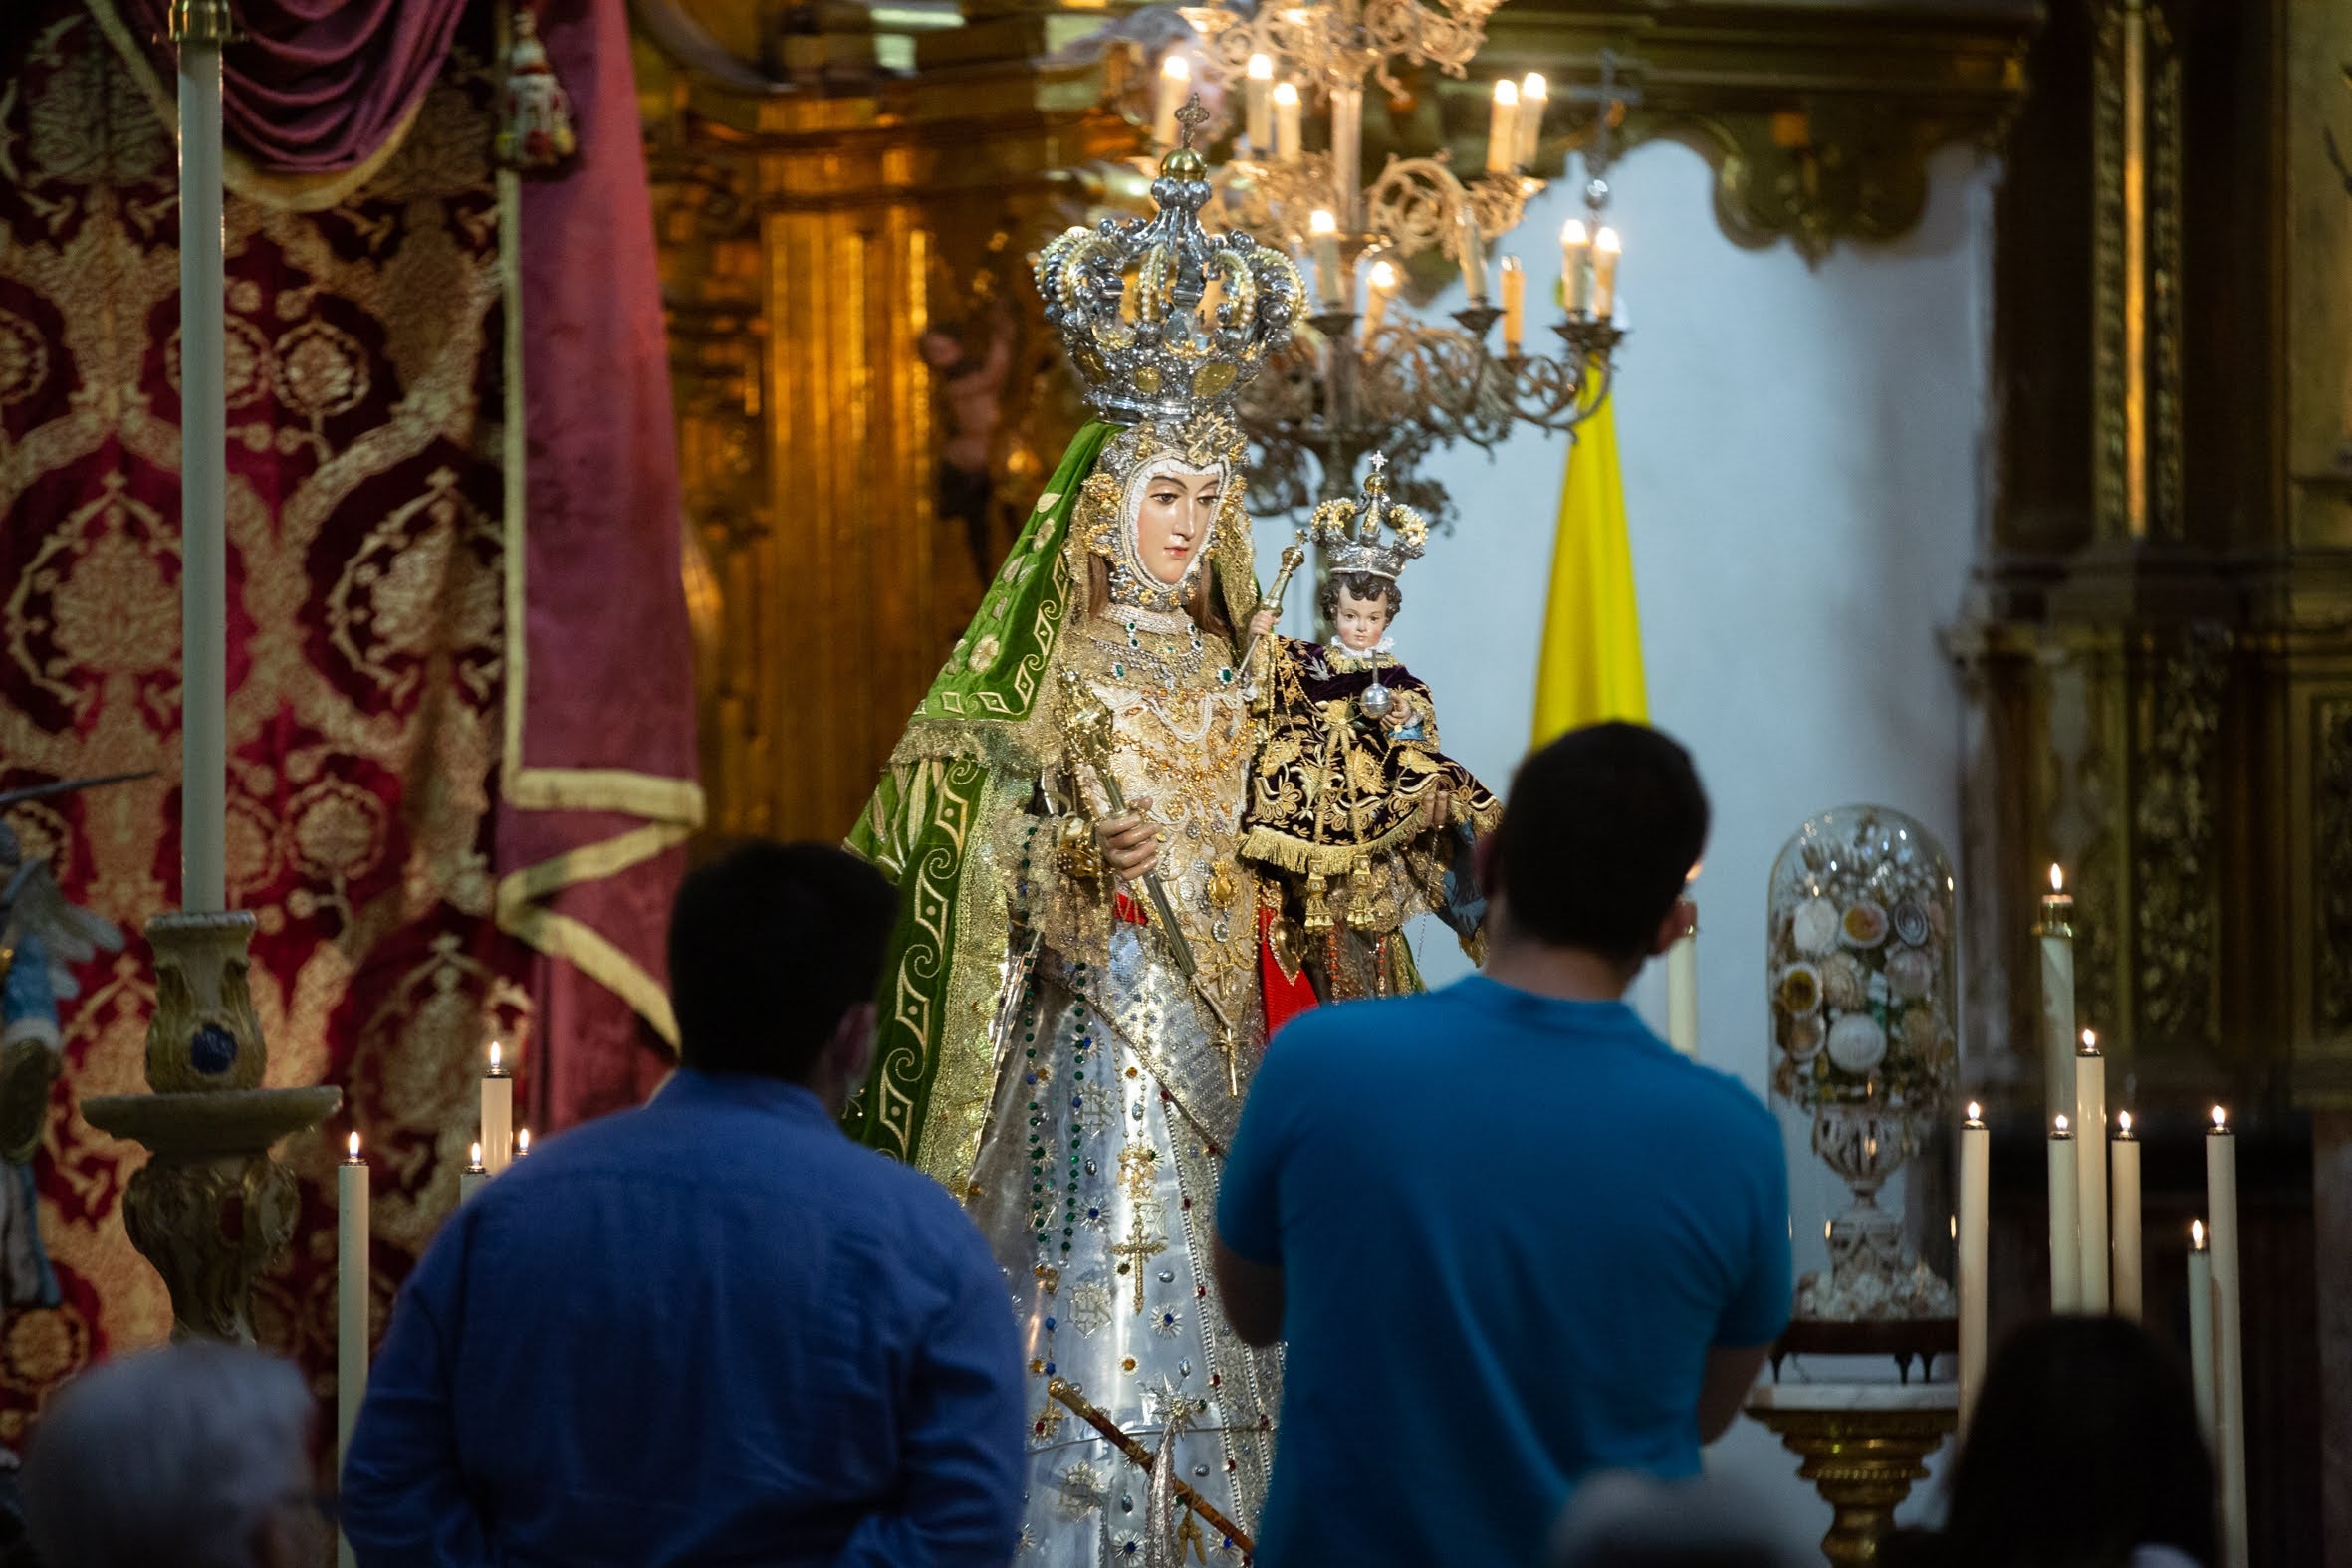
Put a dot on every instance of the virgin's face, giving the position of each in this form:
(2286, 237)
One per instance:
(1173, 520)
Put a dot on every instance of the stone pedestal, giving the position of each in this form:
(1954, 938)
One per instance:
(1864, 1446)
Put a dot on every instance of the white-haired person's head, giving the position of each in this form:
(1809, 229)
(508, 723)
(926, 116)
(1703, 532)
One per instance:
(196, 1454)
(1620, 1519)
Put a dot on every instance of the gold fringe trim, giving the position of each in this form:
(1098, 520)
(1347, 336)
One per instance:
(264, 187)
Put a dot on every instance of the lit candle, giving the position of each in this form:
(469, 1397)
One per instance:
(1383, 288)
(1285, 122)
(2090, 1170)
(1976, 1166)
(1682, 980)
(1534, 91)
(523, 1143)
(1515, 327)
(1503, 129)
(2123, 1177)
(1606, 248)
(204, 480)
(1347, 151)
(1323, 231)
(1575, 265)
(2221, 1201)
(2057, 931)
(2065, 1229)
(1473, 256)
(350, 1297)
(498, 1113)
(1175, 87)
(470, 1180)
(2201, 1327)
(1259, 98)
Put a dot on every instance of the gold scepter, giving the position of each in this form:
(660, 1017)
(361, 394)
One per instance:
(1089, 724)
(1142, 1456)
(1294, 556)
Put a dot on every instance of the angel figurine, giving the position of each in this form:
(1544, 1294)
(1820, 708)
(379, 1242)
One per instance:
(1367, 823)
(43, 935)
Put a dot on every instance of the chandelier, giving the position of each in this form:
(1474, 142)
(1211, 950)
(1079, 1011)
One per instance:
(1368, 374)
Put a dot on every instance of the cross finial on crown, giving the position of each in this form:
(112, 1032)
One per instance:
(1379, 460)
(1191, 116)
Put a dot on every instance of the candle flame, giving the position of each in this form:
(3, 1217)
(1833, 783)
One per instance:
(1321, 222)
(1285, 93)
(1505, 92)
(1975, 1113)
(1534, 89)
(477, 1159)
(1573, 232)
(1262, 68)
(2123, 1119)
(2197, 1235)
(1955, 1227)
(2220, 1121)
(2057, 878)
(2058, 1125)
(494, 1049)
(1606, 240)
(2090, 1039)
(1176, 68)
(522, 1142)
(1383, 277)
(355, 1146)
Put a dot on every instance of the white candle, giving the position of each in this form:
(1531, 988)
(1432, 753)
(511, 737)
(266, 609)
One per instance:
(2090, 1170)
(522, 1143)
(1285, 122)
(1322, 237)
(1533, 93)
(1606, 248)
(2220, 1199)
(1503, 129)
(1383, 288)
(1175, 87)
(350, 1302)
(204, 489)
(2065, 1212)
(1682, 986)
(1261, 109)
(2123, 1178)
(1575, 265)
(2057, 931)
(1976, 1166)
(2201, 1327)
(1473, 256)
(1515, 327)
(498, 1114)
(1347, 151)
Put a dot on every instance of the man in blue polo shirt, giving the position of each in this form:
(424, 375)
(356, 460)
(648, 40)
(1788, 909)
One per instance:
(1510, 1237)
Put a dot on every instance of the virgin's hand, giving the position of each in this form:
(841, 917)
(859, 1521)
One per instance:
(1260, 623)
(1130, 843)
(1436, 810)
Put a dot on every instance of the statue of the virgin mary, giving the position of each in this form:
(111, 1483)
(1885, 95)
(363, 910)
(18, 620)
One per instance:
(1065, 1047)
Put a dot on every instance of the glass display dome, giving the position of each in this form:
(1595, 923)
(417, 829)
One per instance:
(1859, 964)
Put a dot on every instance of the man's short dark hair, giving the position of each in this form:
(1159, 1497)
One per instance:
(769, 946)
(1598, 838)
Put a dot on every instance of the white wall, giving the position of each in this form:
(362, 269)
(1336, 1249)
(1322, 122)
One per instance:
(1804, 482)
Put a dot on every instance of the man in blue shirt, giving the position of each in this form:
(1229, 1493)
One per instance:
(711, 1330)
(1510, 1237)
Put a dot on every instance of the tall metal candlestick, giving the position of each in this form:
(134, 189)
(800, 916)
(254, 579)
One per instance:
(2090, 1170)
(2220, 1198)
(199, 28)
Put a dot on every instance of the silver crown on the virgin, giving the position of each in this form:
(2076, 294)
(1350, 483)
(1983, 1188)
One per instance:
(1154, 354)
(1349, 529)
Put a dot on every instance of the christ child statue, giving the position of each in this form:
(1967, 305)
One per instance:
(1365, 823)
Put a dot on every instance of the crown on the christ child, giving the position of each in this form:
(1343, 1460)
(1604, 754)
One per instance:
(1200, 316)
(1349, 529)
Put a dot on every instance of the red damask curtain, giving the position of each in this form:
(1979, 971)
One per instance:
(441, 837)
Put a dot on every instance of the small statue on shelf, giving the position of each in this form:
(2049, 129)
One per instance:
(1366, 821)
